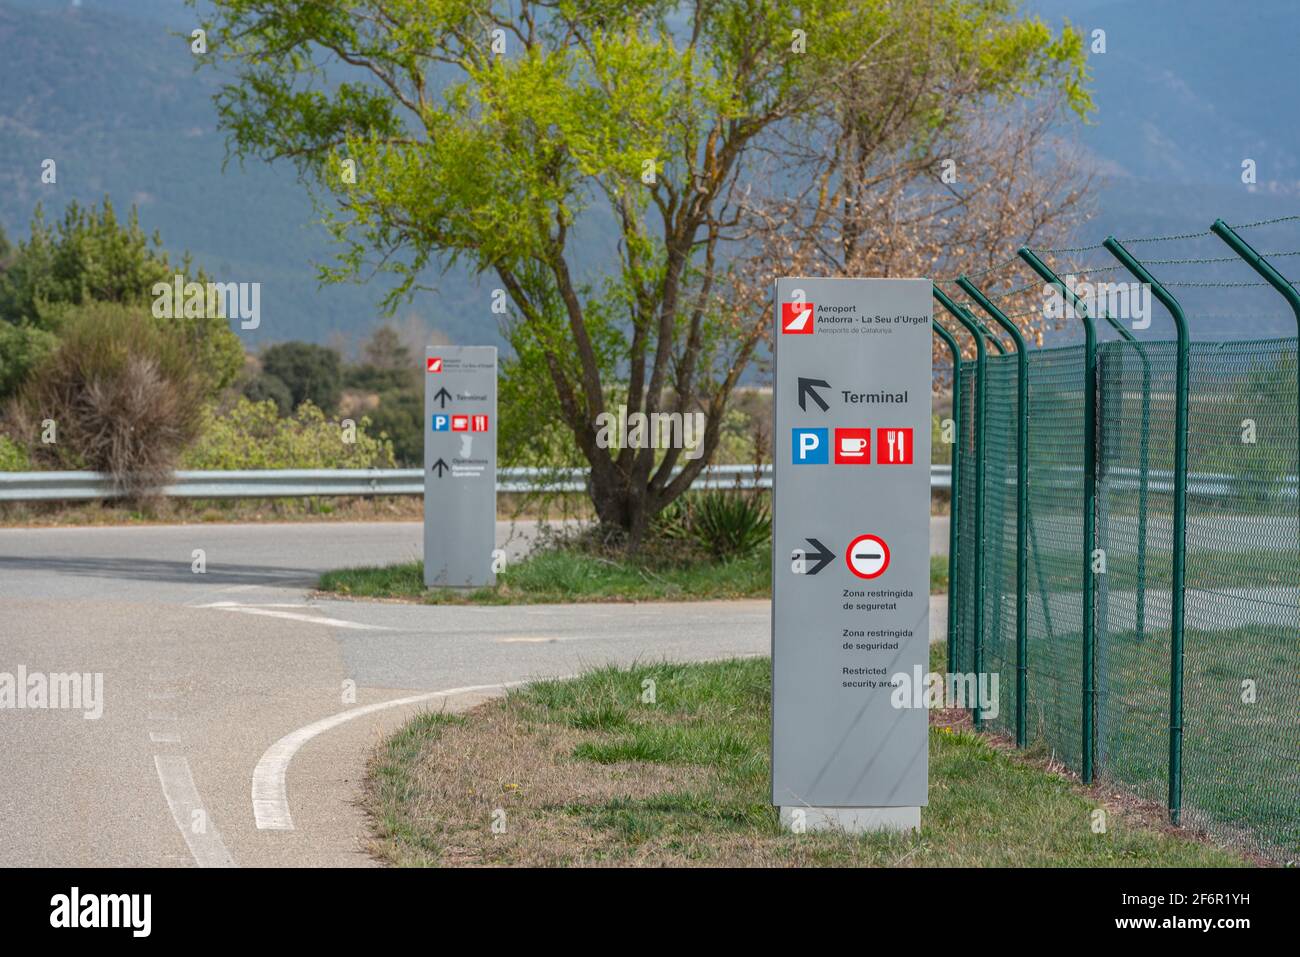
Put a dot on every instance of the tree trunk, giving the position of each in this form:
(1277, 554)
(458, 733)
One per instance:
(622, 504)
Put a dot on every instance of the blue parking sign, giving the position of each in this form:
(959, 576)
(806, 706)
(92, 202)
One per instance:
(810, 446)
(441, 422)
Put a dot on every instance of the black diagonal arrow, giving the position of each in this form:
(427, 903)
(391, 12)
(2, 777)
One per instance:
(439, 466)
(822, 556)
(806, 389)
(442, 395)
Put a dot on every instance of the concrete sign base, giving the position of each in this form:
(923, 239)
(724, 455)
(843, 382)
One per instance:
(851, 820)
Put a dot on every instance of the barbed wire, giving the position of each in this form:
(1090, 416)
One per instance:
(1097, 270)
(1231, 285)
(1218, 259)
(1166, 239)
(1267, 222)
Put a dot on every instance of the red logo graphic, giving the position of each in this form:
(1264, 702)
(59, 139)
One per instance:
(852, 446)
(894, 446)
(433, 364)
(797, 318)
(867, 556)
(460, 423)
(478, 423)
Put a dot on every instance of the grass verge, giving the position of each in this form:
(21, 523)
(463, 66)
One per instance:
(564, 575)
(584, 772)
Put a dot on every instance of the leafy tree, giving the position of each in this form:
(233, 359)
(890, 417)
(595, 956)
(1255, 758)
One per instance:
(385, 350)
(312, 373)
(484, 131)
(92, 257)
(400, 417)
(270, 388)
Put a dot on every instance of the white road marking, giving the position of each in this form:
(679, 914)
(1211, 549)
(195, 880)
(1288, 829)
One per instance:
(157, 738)
(542, 639)
(183, 798)
(293, 616)
(254, 604)
(270, 796)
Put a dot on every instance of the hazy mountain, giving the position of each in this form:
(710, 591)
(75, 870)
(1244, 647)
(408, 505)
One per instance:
(1186, 90)
(108, 90)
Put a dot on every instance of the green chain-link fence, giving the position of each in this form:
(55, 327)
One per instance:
(1231, 766)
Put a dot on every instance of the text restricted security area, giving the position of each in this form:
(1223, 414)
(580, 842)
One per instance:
(851, 563)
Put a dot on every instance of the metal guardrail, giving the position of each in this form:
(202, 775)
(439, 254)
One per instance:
(295, 483)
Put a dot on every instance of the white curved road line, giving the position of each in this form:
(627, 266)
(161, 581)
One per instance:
(183, 798)
(270, 797)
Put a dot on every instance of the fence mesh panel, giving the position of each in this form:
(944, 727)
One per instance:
(965, 570)
(1241, 739)
(999, 539)
(1241, 757)
(1135, 531)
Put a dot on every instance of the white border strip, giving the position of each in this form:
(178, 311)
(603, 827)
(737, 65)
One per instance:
(270, 795)
(183, 798)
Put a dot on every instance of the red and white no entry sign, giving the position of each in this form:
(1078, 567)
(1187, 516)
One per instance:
(867, 556)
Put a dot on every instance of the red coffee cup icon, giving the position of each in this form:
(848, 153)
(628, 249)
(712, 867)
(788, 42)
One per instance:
(852, 446)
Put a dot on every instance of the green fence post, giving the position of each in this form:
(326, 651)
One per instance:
(953, 542)
(977, 636)
(1180, 523)
(1274, 279)
(1022, 499)
(1089, 501)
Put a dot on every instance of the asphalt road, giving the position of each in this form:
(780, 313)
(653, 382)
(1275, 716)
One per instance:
(234, 726)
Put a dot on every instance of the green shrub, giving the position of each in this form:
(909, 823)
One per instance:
(728, 525)
(252, 435)
(13, 457)
(123, 392)
(22, 348)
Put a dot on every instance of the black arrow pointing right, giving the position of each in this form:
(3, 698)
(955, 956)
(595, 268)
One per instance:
(442, 395)
(822, 556)
(439, 466)
(806, 389)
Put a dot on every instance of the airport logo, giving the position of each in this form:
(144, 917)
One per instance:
(797, 318)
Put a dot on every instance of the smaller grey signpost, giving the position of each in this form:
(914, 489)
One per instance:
(851, 552)
(460, 465)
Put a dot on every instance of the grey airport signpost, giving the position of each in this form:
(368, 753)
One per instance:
(851, 551)
(460, 465)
